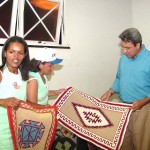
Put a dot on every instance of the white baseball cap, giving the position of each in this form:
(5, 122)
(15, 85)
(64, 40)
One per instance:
(47, 55)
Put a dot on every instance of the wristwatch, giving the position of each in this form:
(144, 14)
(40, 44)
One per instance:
(110, 91)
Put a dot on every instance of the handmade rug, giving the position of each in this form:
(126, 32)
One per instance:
(101, 123)
(64, 139)
(32, 128)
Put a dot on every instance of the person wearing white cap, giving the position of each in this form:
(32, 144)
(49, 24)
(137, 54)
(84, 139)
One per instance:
(48, 55)
(40, 66)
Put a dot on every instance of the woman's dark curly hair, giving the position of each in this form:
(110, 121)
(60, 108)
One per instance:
(34, 65)
(24, 66)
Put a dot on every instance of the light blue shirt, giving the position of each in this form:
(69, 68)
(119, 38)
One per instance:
(133, 77)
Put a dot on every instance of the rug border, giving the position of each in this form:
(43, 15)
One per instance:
(11, 113)
(120, 139)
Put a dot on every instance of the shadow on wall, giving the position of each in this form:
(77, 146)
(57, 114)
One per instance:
(115, 98)
(56, 68)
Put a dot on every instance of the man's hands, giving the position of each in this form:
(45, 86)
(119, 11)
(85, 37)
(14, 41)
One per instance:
(138, 104)
(107, 95)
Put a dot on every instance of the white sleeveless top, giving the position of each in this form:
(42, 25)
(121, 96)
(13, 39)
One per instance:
(11, 85)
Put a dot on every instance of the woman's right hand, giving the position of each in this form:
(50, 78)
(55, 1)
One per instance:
(11, 101)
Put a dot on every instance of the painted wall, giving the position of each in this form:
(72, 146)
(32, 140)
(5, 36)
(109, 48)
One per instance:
(141, 19)
(92, 29)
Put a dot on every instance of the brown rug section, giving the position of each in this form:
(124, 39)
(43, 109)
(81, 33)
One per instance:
(101, 123)
(32, 128)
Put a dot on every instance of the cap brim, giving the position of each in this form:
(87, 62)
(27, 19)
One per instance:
(56, 61)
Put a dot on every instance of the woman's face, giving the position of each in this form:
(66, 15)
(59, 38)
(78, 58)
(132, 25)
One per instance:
(46, 69)
(14, 55)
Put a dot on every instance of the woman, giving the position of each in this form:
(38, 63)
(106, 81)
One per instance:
(40, 66)
(15, 84)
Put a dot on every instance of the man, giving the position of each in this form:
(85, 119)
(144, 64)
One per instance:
(132, 83)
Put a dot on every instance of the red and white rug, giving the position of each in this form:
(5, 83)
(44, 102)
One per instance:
(32, 127)
(101, 123)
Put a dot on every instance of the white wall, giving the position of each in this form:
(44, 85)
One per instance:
(92, 29)
(141, 19)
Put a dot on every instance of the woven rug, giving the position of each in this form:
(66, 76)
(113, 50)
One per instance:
(32, 128)
(101, 123)
(64, 139)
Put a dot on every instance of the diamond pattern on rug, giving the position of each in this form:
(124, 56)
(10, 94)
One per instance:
(92, 117)
(101, 123)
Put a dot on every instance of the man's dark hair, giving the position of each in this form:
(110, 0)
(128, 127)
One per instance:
(131, 35)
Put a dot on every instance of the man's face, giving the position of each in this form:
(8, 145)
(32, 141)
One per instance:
(129, 49)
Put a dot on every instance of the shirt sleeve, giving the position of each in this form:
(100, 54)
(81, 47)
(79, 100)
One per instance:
(115, 85)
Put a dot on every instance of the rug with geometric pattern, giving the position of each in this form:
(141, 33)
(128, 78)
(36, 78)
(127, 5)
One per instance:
(64, 139)
(32, 127)
(101, 123)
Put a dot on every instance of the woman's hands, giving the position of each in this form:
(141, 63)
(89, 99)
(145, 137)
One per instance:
(55, 92)
(11, 101)
(60, 91)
